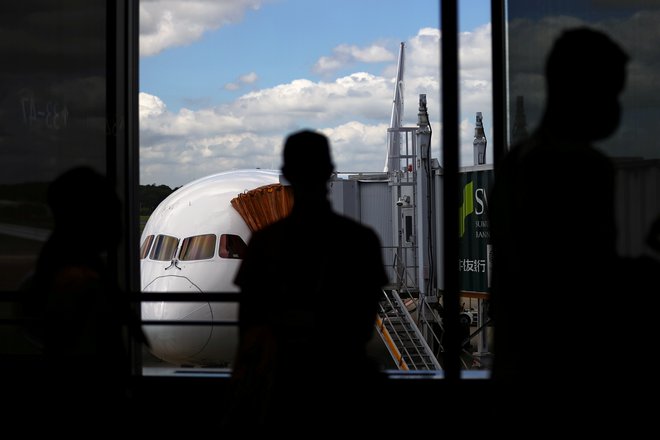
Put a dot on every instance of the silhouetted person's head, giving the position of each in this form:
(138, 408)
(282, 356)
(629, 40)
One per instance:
(585, 73)
(307, 164)
(85, 208)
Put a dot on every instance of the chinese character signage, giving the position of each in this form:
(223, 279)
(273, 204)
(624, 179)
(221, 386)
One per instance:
(475, 260)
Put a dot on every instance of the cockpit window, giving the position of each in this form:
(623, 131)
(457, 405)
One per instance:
(164, 248)
(144, 249)
(232, 246)
(199, 247)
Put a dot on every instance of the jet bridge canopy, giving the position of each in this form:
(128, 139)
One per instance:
(264, 205)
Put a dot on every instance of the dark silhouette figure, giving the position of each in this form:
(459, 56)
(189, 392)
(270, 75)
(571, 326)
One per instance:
(557, 276)
(310, 285)
(84, 319)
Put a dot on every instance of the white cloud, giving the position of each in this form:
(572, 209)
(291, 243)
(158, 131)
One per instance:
(355, 146)
(423, 54)
(422, 75)
(248, 132)
(353, 110)
(475, 53)
(476, 90)
(248, 78)
(171, 23)
(150, 106)
(359, 94)
(344, 55)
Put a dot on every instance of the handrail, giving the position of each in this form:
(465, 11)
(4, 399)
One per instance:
(19, 319)
(391, 346)
(137, 297)
(421, 316)
(186, 297)
(408, 332)
(418, 333)
(405, 330)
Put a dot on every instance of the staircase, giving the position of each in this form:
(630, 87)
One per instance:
(402, 337)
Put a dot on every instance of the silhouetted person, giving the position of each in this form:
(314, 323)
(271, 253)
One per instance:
(84, 319)
(310, 285)
(557, 331)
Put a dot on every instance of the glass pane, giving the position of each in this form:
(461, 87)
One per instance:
(531, 29)
(475, 179)
(232, 246)
(164, 248)
(200, 247)
(208, 107)
(584, 167)
(146, 247)
(52, 116)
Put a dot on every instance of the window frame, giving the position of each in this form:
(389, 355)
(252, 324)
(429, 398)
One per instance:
(185, 245)
(450, 140)
(223, 247)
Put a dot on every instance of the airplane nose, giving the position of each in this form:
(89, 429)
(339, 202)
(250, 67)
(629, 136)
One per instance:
(171, 283)
(177, 344)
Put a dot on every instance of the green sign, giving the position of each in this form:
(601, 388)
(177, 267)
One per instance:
(475, 257)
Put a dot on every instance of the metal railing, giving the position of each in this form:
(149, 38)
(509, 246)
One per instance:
(410, 343)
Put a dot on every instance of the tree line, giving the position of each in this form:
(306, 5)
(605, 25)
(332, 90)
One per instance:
(150, 196)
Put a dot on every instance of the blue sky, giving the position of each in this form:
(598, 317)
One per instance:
(223, 82)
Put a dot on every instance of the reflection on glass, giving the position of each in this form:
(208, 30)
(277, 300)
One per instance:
(146, 246)
(164, 248)
(200, 247)
(52, 116)
(532, 27)
(232, 246)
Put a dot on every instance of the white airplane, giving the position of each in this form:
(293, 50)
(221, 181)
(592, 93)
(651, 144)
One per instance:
(193, 242)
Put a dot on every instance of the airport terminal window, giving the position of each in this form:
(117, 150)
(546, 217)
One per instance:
(331, 78)
(46, 119)
(53, 107)
(164, 248)
(232, 246)
(199, 247)
(531, 28)
(146, 246)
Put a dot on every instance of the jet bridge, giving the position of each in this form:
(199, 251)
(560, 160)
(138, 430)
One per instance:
(398, 205)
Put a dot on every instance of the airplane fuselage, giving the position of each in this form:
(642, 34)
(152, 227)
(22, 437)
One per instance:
(193, 242)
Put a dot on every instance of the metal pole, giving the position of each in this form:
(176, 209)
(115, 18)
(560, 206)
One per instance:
(450, 148)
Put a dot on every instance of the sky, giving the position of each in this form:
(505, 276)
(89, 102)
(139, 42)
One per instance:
(223, 82)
